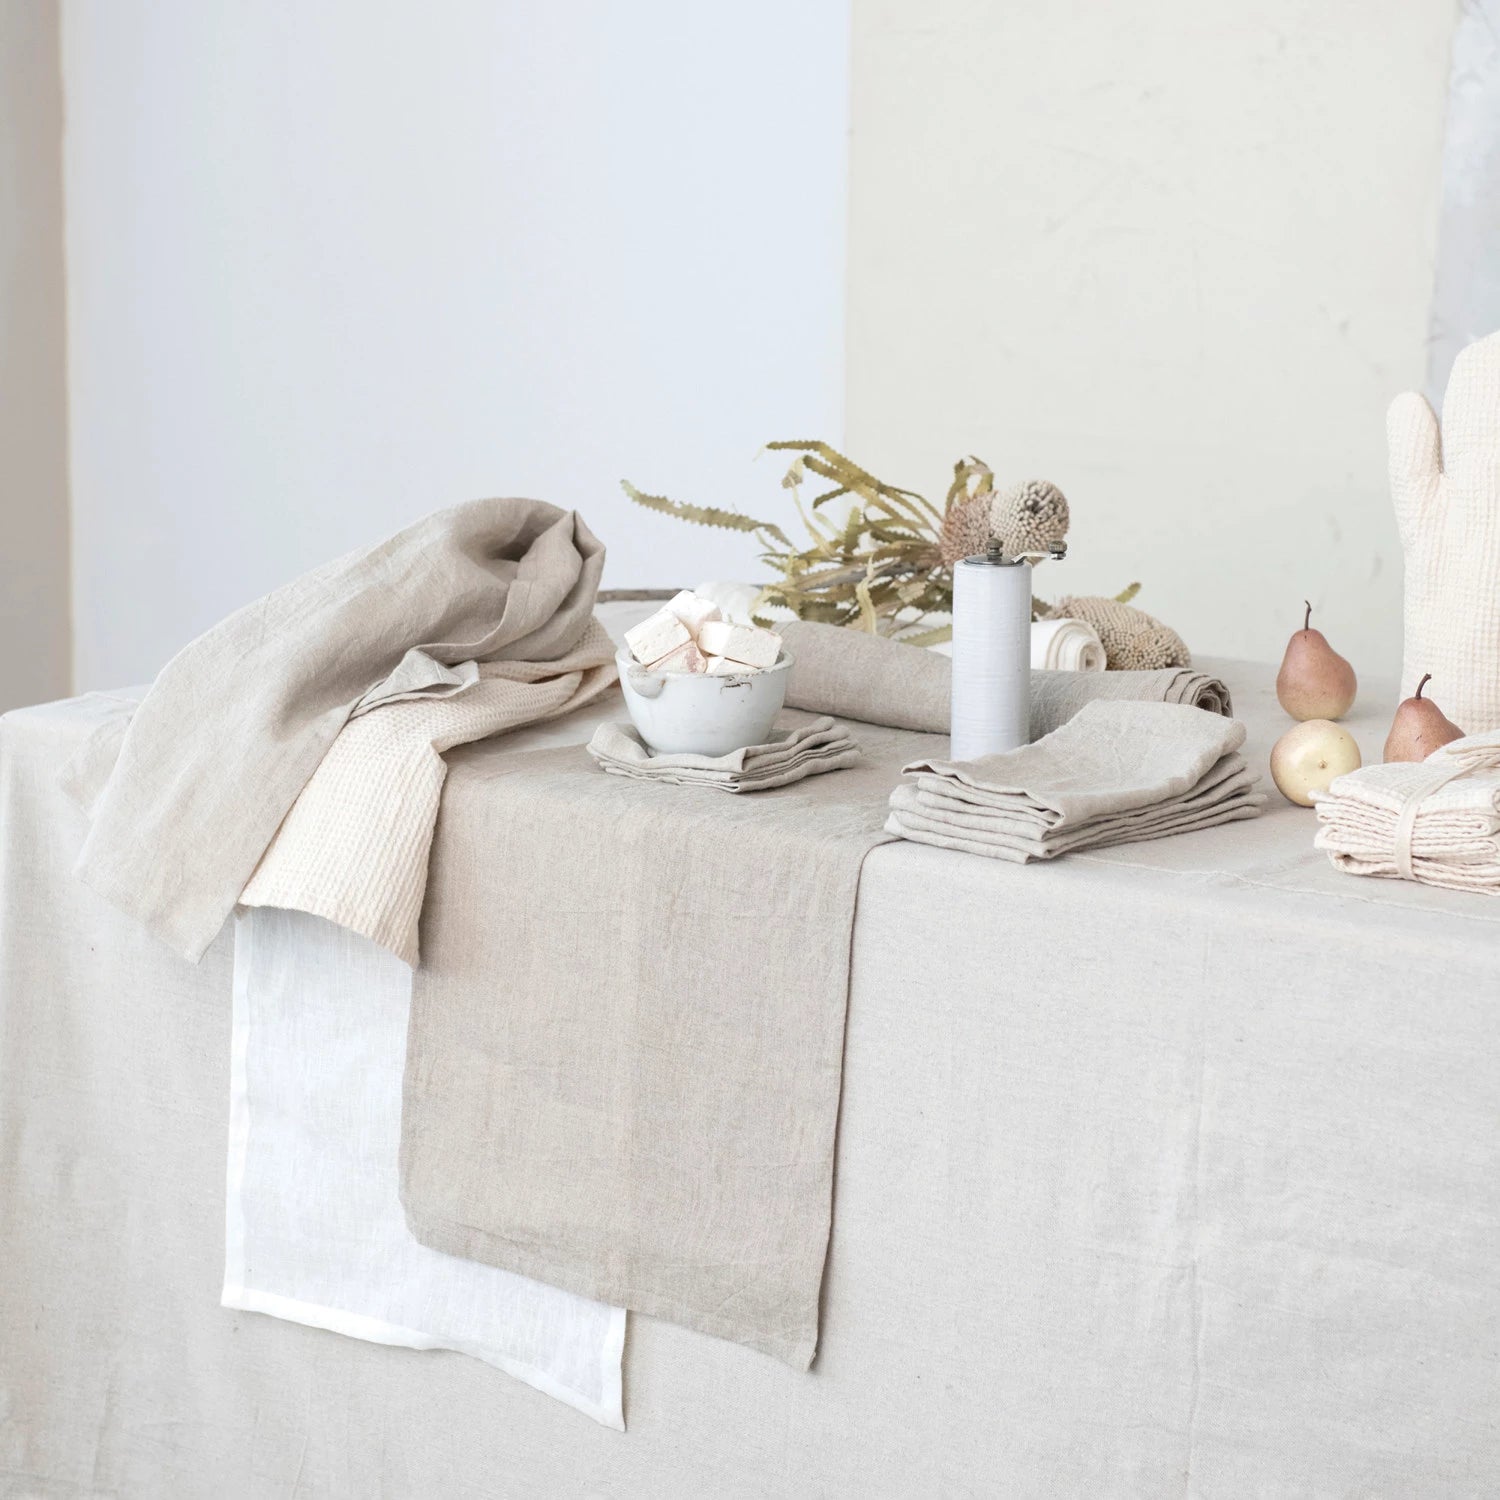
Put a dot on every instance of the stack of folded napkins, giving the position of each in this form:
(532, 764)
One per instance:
(1446, 809)
(807, 750)
(1115, 773)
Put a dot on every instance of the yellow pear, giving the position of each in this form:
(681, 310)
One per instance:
(1314, 682)
(1308, 757)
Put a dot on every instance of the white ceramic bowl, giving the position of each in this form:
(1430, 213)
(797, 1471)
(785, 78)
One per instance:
(691, 713)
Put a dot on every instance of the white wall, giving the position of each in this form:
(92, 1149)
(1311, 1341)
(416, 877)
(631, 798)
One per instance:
(332, 266)
(1466, 296)
(33, 396)
(1175, 255)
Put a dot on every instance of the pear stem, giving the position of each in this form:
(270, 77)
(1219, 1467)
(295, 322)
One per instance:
(1308, 616)
(1423, 683)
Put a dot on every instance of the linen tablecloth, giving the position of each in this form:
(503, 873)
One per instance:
(1164, 1170)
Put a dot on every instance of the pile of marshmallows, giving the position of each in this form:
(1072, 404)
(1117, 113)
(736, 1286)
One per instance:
(689, 634)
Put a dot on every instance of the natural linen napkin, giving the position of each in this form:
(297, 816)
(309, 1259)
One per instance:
(858, 676)
(625, 1051)
(238, 723)
(1435, 821)
(1115, 773)
(804, 750)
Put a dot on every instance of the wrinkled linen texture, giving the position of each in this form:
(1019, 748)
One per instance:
(313, 1226)
(624, 1060)
(857, 676)
(1117, 772)
(238, 723)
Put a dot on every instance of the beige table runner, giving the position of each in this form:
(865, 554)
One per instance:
(625, 1052)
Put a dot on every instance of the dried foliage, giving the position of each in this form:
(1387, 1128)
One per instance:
(885, 565)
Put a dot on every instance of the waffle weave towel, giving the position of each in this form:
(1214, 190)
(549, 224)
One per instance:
(1435, 821)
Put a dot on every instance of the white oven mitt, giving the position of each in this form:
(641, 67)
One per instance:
(1447, 497)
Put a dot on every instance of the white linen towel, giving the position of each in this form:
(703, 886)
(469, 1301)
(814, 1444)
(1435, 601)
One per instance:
(315, 1233)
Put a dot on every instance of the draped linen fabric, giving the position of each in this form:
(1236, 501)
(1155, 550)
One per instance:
(237, 724)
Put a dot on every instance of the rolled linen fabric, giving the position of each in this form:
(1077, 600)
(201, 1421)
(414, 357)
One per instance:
(1066, 646)
(853, 675)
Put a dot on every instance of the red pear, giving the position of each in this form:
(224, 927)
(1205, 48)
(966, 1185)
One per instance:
(1315, 682)
(1419, 728)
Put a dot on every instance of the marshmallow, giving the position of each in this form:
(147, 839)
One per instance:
(693, 611)
(686, 658)
(721, 666)
(747, 644)
(652, 639)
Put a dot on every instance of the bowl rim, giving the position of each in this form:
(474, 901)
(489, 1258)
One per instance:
(628, 664)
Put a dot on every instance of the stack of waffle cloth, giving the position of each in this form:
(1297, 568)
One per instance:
(1115, 773)
(1436, 821)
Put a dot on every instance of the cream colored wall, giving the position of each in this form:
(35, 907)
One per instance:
(34, 634)
(1175, 255)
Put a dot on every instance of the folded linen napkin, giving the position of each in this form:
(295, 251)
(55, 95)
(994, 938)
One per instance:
(1435, 821)
(804, 750)
(185, 802)
(857, 676)
(1118, 772)
(1066, 646)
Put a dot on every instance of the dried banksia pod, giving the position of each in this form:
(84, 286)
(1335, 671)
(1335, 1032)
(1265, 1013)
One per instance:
(966, 529)
(1133, 641)
(1028, 517)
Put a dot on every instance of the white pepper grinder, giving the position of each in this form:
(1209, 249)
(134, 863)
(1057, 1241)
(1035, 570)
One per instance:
(991, 702)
